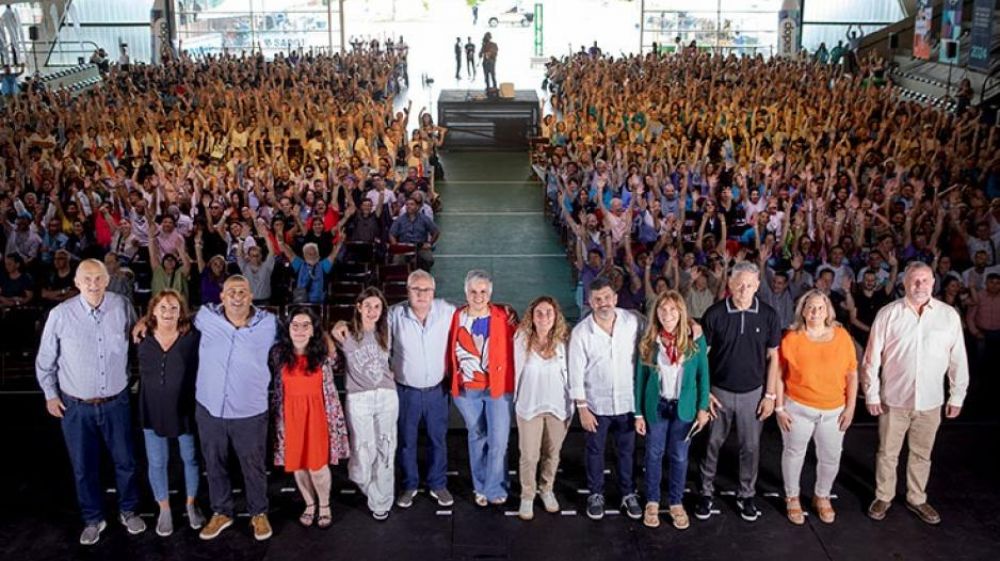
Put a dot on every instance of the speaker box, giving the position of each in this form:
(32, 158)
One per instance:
(33, 33)
(950, 49)
(506, 90)
(893, 41)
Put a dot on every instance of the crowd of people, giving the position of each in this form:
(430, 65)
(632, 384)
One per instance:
(668, 170)
(178, 175)
(741, 228)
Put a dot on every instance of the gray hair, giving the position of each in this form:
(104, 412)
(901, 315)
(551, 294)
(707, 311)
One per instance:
(479, 275)
(420, 274)
(311, 245)
(914, 266)
(90, 263)
(745, 267)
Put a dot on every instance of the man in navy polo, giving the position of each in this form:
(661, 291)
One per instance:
(743, 335)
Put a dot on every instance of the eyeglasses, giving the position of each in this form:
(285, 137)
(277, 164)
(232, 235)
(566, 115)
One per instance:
(421, 290)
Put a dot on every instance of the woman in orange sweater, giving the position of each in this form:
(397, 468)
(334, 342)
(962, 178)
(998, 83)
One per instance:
(816, 397)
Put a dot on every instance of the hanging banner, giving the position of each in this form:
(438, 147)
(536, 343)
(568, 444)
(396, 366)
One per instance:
(922, 30)
(951, 28)
(981, 36)
(789, 28)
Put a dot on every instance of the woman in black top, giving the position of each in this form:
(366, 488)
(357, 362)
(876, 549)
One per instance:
(168, 364)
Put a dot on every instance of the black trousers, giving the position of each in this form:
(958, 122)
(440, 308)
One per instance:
(248, 438)
(490, 73)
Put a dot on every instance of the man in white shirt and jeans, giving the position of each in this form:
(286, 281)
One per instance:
(601, 378)
(915, 342)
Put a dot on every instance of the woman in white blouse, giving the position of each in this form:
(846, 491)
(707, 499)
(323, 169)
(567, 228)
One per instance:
(541, 402)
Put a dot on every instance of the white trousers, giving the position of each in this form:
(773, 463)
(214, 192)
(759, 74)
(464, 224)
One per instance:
(371, 420)
(808, 424)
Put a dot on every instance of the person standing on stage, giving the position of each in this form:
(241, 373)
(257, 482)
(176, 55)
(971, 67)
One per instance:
(458, 58)
(470, 58)
(915, 342)
(488, 52)
(743, 335)
(231, 391)
(481, 363)
(602, 353)
(419, 334)
(82, 367)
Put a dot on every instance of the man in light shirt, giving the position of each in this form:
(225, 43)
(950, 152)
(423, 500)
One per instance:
(419, 328)
(82, 368)
(601, 375)
(915, 342)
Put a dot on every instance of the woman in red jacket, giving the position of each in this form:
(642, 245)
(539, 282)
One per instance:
(480, 359)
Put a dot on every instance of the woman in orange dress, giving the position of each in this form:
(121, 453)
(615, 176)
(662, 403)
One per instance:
(310, 430)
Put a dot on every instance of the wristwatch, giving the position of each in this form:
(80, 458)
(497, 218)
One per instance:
(770, 396)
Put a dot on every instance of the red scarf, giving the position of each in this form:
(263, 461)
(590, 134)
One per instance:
(669, 342)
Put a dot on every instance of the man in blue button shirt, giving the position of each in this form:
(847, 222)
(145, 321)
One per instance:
(82, 367)
(414, 227)
(231, 391)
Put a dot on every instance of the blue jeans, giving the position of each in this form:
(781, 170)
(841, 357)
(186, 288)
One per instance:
(666, 434)
(85, 427)
(158, 457)
(429, 405)
(488, 421)
(623, 427)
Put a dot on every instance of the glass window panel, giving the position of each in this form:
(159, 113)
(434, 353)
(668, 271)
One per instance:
(814, 34)
(847, 11)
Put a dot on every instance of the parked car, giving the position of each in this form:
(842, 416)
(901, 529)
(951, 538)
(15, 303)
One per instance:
(513, 16)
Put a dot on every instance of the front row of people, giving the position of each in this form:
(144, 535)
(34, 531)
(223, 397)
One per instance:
(663, 377)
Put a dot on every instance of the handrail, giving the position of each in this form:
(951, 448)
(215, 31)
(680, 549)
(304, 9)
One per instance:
(52, 45)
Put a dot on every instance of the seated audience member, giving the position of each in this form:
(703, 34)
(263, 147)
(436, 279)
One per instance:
(416, 229)
(16, 286)
(58, 286)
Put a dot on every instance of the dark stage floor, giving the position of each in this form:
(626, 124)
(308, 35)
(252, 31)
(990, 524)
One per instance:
(39, 521)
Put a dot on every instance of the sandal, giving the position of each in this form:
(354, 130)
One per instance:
(325, 520)
(793, 509)
(651, 516)
(824, 509)
(308, 516)
(680, 517)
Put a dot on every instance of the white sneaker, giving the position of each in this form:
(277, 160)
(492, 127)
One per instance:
(550, 502)
(527, 510)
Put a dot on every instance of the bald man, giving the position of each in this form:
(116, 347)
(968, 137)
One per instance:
(82, 367)
(231, 395)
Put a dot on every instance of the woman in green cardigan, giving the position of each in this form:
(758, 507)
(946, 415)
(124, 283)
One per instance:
(671, 395)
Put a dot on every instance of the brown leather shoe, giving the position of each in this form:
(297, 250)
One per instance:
(215, 526)
(925, 512)
(878, 508)
(261, 527)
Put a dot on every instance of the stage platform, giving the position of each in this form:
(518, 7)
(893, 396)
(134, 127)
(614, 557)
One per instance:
(476, 122)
